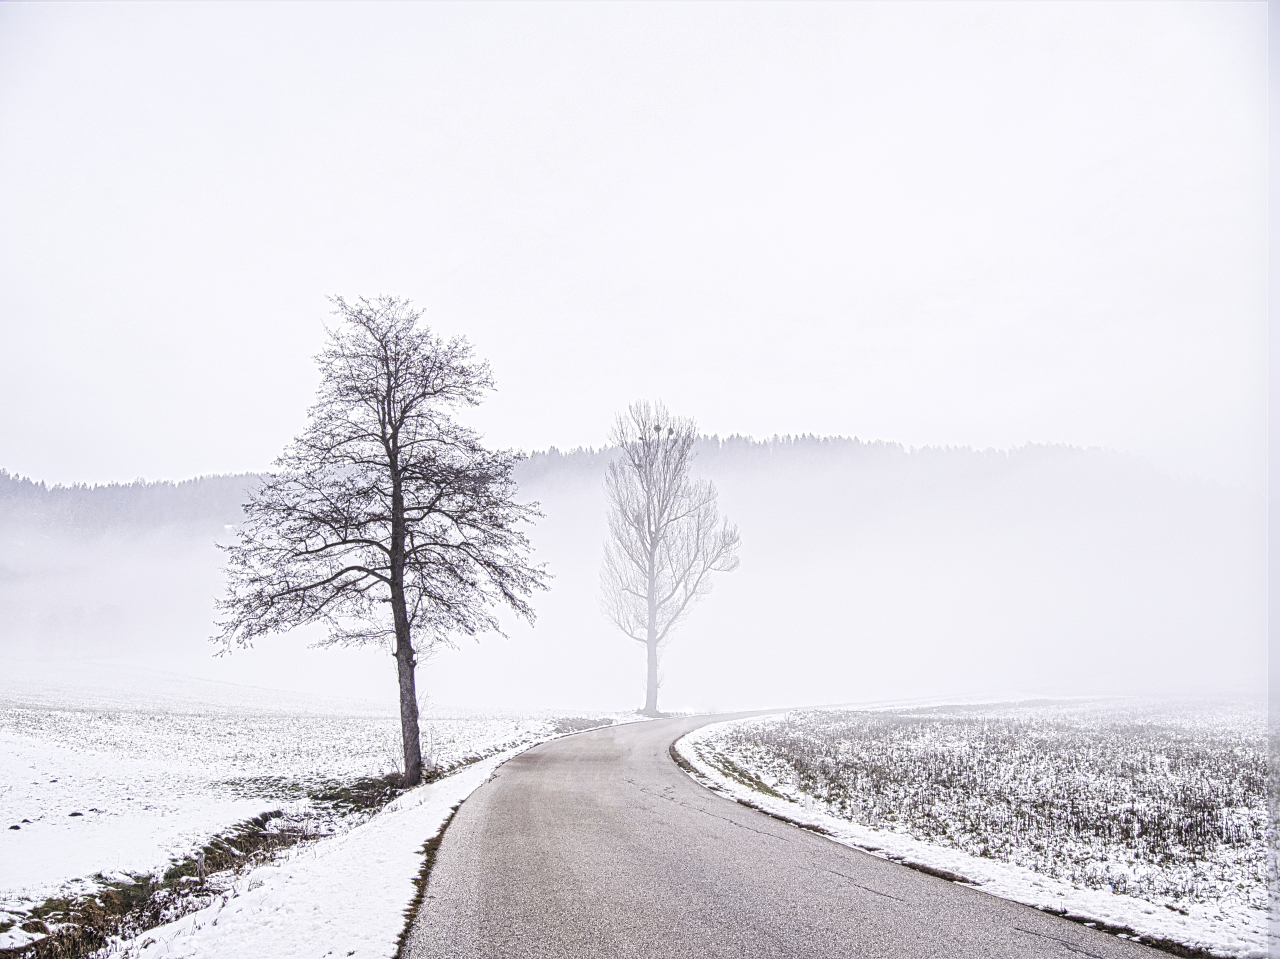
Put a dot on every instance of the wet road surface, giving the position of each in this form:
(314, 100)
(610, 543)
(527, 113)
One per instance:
(598, 845)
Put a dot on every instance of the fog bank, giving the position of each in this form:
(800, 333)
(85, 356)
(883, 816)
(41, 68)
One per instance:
(869, 572)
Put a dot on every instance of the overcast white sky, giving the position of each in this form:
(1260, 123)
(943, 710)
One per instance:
(948, 224)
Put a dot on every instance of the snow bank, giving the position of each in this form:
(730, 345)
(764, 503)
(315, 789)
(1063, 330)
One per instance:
(1229, 928)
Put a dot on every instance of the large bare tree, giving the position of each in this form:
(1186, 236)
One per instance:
(665, 534)
(386, 520)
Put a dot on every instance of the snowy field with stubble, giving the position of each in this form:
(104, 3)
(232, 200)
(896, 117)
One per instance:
(102, 784)
(1145, 818)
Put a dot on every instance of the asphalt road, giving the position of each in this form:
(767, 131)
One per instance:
(598, 845)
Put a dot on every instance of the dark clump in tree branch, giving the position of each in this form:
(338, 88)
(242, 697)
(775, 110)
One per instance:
(386, 520)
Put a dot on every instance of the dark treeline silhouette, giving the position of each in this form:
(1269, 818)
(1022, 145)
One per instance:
(840, 465)
(207, 504)
(213, 502)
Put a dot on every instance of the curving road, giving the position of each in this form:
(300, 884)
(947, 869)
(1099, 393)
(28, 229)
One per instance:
(597, 845)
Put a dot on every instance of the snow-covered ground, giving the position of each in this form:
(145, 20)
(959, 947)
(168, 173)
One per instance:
(304, 906)
(121, 781)
(1227, 918)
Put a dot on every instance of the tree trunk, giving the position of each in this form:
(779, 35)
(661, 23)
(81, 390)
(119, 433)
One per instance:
(405, 659)
(409, 713)
(651, 687)
(651, 637)
(406, 662)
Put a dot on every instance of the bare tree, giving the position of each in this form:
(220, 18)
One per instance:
(665, 534)
(386, 520)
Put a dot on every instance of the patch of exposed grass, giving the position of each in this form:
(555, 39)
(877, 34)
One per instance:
(577, 724)
(681, 761)
(362, 795)
(735, 772)
(252, 840)
(75, 928)
(934, 871)
(1163, 945)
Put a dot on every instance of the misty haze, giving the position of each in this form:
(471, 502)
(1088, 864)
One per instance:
(617, 480)
(869, 572)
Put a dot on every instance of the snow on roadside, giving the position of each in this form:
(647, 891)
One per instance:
(1228, 929)
(344, 896)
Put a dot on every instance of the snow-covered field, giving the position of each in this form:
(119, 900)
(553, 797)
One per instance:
(1145, 816)
(113, 785)
(303, 905)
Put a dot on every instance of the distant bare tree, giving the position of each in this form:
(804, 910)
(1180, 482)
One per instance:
(387, 520)
(665, 534)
